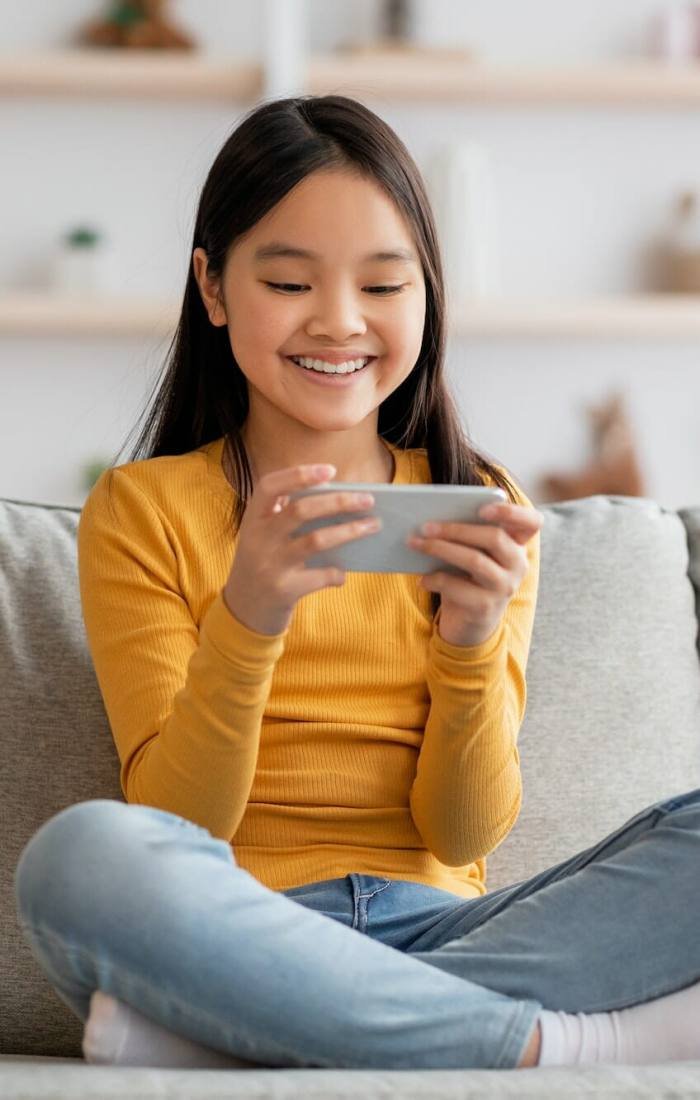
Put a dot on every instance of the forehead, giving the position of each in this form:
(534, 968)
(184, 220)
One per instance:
(331, 213)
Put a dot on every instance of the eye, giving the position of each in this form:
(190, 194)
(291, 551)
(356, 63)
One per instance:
(285, 287)
(293, 288)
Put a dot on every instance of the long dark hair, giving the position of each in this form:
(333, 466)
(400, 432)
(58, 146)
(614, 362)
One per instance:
(202, 392)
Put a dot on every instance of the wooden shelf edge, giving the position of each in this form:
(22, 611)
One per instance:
(633, 316)
(130, 73)
(409, 76)
(629, 83)
(668, 315)
(53, 314)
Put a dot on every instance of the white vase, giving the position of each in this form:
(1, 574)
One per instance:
(83, 269)
(459, 179)
(676, 33)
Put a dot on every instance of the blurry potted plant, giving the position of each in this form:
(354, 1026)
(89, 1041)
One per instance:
(83, 262)
(136, 25)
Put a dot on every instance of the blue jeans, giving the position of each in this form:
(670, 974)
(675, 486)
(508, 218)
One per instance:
(361, 972)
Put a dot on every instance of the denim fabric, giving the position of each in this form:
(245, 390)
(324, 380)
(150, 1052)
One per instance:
(359, 971)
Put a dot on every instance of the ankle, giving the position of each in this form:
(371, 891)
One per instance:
(531, 1056)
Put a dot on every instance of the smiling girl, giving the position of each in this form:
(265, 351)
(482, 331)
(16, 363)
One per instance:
(316, 765)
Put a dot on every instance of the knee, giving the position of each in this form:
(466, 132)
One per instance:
(100, 850)
(684, 811)
(62, 852)
(686, 805)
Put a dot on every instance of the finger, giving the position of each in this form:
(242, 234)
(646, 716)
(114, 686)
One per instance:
(515, 515)
(461, 591)
(276, 486)
(520, 534)
(329, 501)
(494, 541)
(516, 536)
(479, 566)
(294, 477)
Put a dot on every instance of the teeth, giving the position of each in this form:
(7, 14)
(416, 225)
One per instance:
(330, 368)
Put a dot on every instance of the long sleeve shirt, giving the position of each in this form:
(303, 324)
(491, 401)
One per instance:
(356, 740)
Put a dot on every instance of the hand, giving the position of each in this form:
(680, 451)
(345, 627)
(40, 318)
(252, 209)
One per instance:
(494, 558)
(269, 573)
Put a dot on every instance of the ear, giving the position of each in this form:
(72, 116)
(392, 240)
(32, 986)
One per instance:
(209, 288)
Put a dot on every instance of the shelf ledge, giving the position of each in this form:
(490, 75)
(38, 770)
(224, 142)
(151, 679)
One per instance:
(130, 73)
(433, 79)
(652, 315)
(660, 316)
(409, 75)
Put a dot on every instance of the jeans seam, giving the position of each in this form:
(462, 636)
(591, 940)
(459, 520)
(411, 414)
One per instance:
(377, 891)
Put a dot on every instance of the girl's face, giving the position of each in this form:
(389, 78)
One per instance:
(339, 302)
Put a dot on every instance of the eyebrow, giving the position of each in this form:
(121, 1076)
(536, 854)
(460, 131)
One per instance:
(279, 248)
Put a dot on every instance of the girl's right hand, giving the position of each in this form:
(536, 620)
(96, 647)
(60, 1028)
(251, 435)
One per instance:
(268, 575)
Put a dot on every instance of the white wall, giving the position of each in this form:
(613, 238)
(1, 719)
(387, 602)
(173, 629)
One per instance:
(582, 192)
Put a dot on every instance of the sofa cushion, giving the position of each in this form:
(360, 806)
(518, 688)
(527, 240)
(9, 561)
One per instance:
(612, 722)
(49, 1078)
(613, 712)
(56, 743)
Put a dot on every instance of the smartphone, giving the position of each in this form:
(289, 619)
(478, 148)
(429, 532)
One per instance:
(402, 510)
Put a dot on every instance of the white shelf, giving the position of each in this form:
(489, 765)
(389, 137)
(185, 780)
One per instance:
(658, 316)
(392, 76)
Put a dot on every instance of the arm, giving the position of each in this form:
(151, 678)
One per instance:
(185, 705)
(467, 792)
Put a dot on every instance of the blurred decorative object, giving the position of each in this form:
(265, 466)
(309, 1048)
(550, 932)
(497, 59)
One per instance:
(136, 25)
(396, 38)
(684, 245)
(283, 49)
(614, 467)
(83, 262)
(397, 18)
(459, 179)
(91, 471)
(676, 32)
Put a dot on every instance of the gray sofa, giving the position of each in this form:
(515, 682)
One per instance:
(612, 724)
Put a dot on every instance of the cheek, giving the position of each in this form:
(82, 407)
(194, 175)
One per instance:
(256, 329)
(405, 330)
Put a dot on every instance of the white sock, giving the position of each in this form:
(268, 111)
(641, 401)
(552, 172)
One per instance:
(116, 1034)
(666, 1029)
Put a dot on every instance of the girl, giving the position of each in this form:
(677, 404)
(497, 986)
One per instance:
(316, 765)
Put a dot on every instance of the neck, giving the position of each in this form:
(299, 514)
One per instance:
(379, 468)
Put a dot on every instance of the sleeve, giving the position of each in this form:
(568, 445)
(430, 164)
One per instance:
(467, 792)
(185, 705)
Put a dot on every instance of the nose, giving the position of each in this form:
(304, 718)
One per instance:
(337, 315)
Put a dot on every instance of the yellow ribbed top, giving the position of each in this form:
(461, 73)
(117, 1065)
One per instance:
(357, 740)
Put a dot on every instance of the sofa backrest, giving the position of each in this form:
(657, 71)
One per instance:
(613, 713)
(56, 743)
(612, 722)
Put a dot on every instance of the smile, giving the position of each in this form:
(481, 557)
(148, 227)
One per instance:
(322, 367)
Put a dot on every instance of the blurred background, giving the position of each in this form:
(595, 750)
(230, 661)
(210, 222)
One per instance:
(560, 144)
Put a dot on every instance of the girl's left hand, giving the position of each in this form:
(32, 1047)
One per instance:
(494, 557)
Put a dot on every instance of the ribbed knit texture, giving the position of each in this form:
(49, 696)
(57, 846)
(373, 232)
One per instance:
(357, 740)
